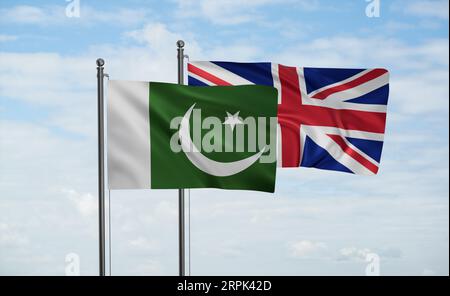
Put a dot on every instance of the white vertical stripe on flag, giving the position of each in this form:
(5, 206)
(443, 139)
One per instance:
(128, 130)
(276, 80)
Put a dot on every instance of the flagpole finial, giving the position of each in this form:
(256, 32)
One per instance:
(100, 62)
(180, 43)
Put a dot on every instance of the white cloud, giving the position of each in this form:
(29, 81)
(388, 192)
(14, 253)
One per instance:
(158, 37)
(230, 251)
(307, 5)
(24, 14)
(425, 8)
(62, 82)
(306, 248)
(428, 272)
(143, 244)
(148, 267)
(123, 16)
(346, 51)
(239, 52)
(51, 15)
(6, 38)
(10, 237)
(413, 94)
(352, 253)
(50, 77)
(234, 12)
(221, 12)
(86, 203)
(34, 152)
(360, 254)
(390, 253)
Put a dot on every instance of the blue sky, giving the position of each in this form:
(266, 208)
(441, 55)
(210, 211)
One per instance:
(317, 222)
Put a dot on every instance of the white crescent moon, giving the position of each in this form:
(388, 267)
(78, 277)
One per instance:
(209, 166)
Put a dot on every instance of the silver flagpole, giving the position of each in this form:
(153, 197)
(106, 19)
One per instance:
(101, 172)
(181, 210)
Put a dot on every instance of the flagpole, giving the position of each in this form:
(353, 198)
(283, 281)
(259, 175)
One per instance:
(101, 173)
(181, 205)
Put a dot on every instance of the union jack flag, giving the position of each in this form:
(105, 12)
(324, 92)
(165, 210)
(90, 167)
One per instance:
(332, 119)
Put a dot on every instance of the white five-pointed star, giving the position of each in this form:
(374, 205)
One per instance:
(232, 120)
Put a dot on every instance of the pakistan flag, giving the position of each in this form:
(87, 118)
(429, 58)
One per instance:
(169, 136)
